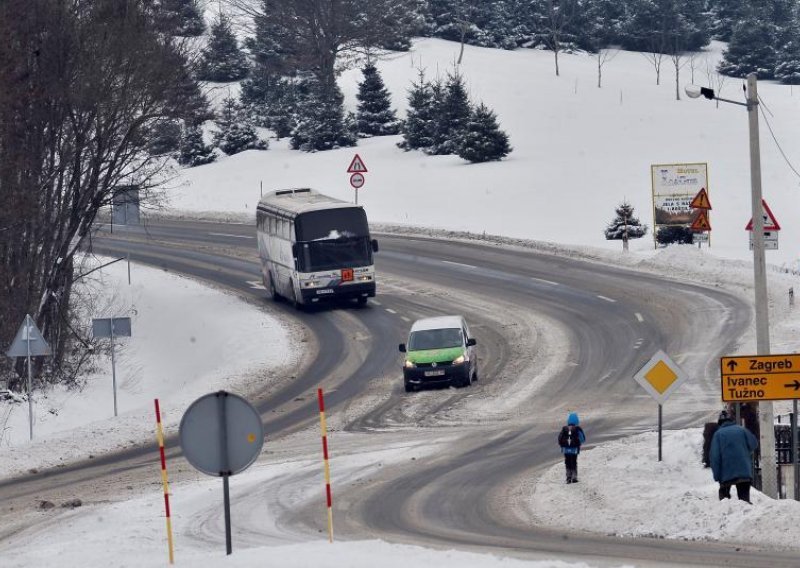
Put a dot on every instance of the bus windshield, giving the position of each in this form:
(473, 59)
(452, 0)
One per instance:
(330, 254)
(332, 238)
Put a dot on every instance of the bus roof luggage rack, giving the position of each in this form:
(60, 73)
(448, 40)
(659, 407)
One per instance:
(299, 190)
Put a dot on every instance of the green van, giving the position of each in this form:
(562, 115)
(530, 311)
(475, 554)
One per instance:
(440, 351)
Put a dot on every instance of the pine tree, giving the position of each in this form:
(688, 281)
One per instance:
(181, 18)
(451, 114)
(787, 70)
(236, 132)
(222, 60)
(418, 127)
(193, 151)
(625, 226)
(751, 49)
(482, 140)
(164, 137)
(375, 116)
(321, 124)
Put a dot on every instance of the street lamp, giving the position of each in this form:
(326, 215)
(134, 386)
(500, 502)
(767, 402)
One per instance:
(765, 415)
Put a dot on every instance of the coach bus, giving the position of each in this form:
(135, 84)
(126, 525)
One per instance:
(314, 247)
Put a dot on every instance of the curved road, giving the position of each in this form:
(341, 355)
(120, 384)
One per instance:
(554, 333)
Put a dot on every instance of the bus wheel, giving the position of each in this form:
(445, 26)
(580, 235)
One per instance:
(273, 293)
(293, 300)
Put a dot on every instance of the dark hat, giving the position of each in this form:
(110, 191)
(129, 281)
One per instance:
(723, 417)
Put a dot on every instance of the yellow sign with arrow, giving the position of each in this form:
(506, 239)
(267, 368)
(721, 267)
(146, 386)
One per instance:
(760, 377)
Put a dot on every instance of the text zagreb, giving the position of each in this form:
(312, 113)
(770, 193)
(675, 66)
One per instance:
(768, 366)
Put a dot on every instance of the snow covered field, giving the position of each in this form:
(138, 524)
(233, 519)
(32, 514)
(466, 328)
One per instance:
(579, 151)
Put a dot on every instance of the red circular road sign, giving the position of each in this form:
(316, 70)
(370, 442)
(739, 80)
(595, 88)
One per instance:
(357, 180)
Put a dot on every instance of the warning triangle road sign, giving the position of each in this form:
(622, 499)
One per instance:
(700, 200)
(701, 222)
(29, 341)
(770, 223)
(357, 166)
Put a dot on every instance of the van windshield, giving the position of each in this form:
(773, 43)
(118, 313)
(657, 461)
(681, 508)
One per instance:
(435, 339)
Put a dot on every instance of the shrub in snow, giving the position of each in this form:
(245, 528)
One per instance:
(193, 151)
(222, 60)
(481, 139)
(375, 116)
(674, 234)
(236, 131)
(625, 226)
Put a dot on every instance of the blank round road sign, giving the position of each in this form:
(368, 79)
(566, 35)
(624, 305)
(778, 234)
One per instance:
(357, 180)
(221, 433)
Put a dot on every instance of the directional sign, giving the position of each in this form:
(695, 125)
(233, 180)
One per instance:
(770, 240)
(357, 166)
(701, 222)
(701, 200)
(28, 341)
(760, 377)
(660, 376)
(770, 223)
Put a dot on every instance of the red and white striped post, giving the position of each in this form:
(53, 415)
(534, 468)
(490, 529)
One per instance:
(164, 481)
(324, 429)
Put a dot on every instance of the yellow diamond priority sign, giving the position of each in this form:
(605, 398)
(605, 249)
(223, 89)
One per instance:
(660, 376)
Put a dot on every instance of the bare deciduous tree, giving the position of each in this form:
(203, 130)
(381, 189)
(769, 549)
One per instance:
(558, 14)
(84, 82)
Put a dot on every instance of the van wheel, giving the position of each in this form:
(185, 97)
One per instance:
(466, 381)
(410, 388)
(362, 300)
(475, 374)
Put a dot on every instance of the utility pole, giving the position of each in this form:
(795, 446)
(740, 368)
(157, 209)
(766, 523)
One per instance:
(769, 484)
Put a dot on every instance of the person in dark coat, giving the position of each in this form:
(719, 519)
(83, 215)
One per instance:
(570, 439)
(731, 457)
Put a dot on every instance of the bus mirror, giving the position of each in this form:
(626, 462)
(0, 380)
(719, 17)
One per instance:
(402, 348)
(374, 245)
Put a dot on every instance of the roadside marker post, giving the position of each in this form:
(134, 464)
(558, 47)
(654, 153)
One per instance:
(164, 480)
(324, 430)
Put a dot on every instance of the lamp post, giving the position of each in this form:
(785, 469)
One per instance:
(769, 485)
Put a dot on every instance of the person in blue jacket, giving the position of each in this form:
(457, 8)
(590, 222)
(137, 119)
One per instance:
(570, 439)
(731, 458)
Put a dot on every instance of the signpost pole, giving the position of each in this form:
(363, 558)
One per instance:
(30, 380)
(356, 196)
(113, 368)
(659, 431)
(226, 495)
(795, 462)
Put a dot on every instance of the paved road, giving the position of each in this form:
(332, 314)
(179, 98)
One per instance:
(604, 322)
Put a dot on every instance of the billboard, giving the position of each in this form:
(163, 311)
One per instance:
(674, 188)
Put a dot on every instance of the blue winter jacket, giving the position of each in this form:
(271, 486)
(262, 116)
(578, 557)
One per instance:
(731, 450)
(573, 420)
